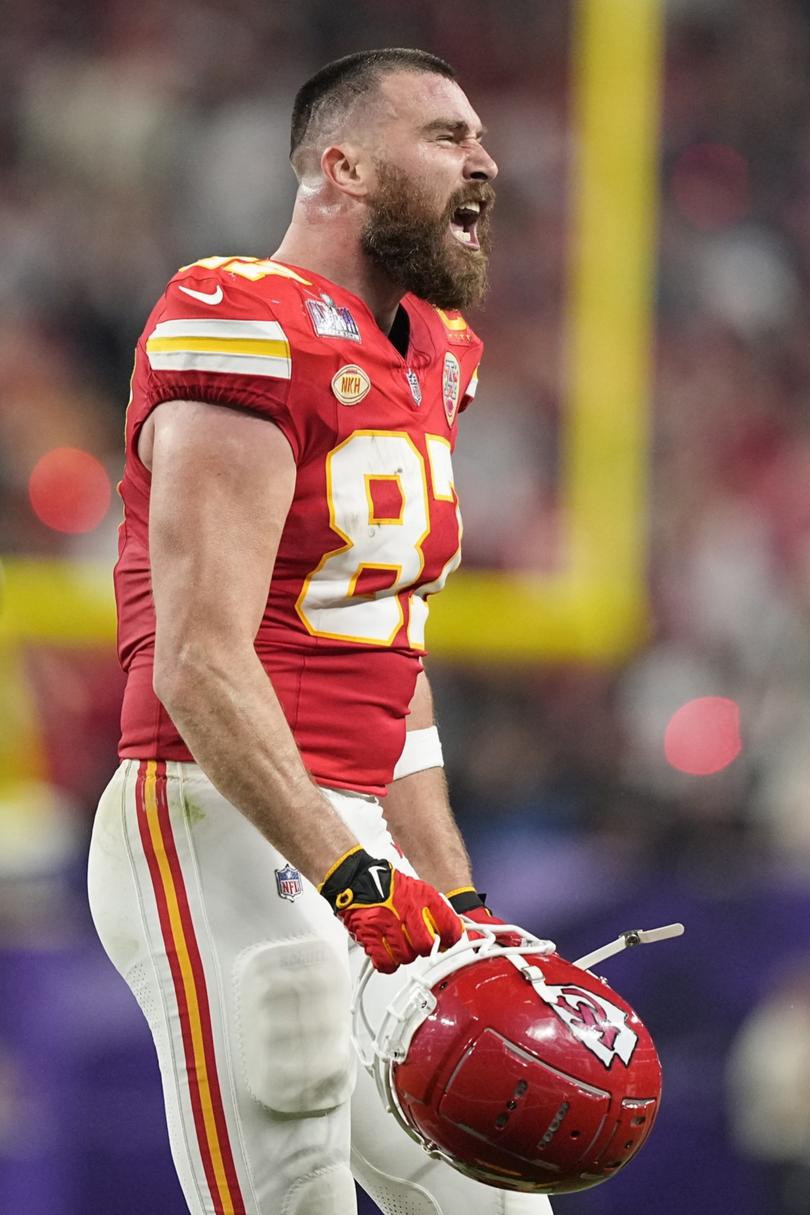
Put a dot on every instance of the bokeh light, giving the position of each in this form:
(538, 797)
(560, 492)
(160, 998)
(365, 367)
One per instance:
(69, 490)
(710, 186)
(703, 735)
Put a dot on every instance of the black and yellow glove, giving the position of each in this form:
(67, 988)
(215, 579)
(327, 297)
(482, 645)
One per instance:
(395, 918)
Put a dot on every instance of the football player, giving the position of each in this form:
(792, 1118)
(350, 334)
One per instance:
(289, 507)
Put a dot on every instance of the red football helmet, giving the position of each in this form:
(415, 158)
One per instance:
(518, 1068)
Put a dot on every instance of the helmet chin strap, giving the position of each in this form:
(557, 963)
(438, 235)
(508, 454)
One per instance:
(627, 940)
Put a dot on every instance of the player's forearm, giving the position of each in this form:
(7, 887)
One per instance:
(229, 716)
(418, 813)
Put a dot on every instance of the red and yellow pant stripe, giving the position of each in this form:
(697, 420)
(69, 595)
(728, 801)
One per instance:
(190, 988)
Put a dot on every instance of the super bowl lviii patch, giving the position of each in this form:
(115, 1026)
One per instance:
(332, 321)
(451, 384)
(289, 883)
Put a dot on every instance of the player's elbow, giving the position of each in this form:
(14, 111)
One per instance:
(167, 682)
(179, 671)
(202, 660)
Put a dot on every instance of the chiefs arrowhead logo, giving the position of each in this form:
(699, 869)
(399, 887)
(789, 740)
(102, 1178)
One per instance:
(451, 383)
(594, 1021)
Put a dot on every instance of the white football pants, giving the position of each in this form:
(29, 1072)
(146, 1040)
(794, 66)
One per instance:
(244, 976)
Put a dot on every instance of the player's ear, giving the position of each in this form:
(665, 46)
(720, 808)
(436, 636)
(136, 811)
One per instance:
(346, 168)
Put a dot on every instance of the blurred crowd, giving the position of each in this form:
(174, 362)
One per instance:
(136, 138)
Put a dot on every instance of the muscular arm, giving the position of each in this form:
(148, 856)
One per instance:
(418, 812)
(222, 483)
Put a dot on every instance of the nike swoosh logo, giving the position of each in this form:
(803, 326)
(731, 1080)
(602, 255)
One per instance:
(374, 870)
(205, 297)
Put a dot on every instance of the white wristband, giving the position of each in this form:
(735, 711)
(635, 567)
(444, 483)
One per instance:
(423, 749)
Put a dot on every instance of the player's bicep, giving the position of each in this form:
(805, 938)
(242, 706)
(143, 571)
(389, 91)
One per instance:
(222, 484)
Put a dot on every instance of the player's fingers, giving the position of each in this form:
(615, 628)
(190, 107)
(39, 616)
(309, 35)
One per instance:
(446, 924)
(398, 945)
(420, 931)
(382, 957)
(377, 947)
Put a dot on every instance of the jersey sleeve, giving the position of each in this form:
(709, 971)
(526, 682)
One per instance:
(470, 391)
(466, 347)
(214, 338)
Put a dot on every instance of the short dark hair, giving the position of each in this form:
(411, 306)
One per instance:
(340, 82)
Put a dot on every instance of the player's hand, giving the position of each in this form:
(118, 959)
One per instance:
(394, 917)
(472, 905)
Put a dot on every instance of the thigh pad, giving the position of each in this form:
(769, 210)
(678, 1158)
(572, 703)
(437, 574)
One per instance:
(293, 1001)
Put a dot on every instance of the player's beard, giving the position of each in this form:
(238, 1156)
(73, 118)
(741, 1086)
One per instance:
(414, 246)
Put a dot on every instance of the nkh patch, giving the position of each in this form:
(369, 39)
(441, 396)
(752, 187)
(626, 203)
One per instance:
(289, 883)
(330, 320)
(414, 385)
(451, 384)
(350, 384)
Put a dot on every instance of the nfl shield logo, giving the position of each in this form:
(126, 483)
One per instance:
(288, 883)
(415, 386)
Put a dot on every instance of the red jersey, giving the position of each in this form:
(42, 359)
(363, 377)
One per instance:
(373, 528)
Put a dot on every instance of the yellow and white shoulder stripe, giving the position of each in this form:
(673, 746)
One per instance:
(456, 324)
(214, 344)
(472, 387)
(252, 268)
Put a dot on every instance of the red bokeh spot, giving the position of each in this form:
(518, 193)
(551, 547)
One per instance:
(703, 736)
(710, 186)
(69, 490)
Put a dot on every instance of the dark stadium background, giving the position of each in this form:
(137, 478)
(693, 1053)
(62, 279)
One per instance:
(137, 137)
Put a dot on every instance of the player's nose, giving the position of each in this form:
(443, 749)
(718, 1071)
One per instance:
(480, 166)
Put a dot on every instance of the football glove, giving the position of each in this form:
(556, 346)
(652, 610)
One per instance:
(472, 905)
(395, 918)
(467, 901)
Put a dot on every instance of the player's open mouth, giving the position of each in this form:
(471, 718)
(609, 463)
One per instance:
(464, 224)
